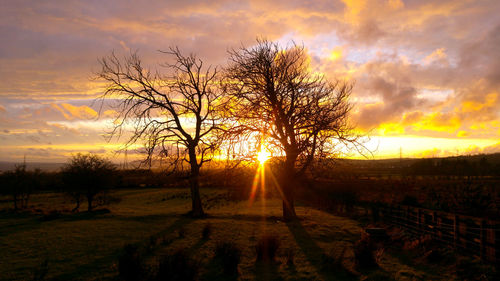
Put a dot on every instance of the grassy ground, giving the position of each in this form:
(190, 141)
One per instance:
(86, 246)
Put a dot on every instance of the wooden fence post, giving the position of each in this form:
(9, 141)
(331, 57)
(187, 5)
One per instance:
(435, 222)
(456, 231)
(482, 236)
(419, 219)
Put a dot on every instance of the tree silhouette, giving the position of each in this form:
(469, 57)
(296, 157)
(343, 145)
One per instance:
(275, 95)
(20, 183)
(174, 114)
(87, 175)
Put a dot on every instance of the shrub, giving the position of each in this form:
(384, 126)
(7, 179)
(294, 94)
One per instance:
(266, 247)
(207, 230)
(177, 267)
(410, 201)
(380, 275)
(52, 215)
(41, 271)
(289, 256)
(130, 264)
(333, 261)
(474, 269)
(230, 255)
(182, 232)
(364, 253)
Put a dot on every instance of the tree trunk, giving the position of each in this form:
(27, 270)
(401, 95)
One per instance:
(89, 200)
(196, 207)
(288, 204)
(288, 183)
(77, 207)
(15, 202)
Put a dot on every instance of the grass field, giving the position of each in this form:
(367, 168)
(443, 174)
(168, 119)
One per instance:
(86, 246)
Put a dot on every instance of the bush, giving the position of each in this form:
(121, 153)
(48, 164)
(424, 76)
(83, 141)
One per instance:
(130, 264)
(332, 261)
(177, 267)
(410, 200)
(380, 276)
(207, 230)
(229, 255)
(364, 253)
(266, 247)
(52, 215)
(474, 269)
(182, 232)
(289, 256)
(40, 272)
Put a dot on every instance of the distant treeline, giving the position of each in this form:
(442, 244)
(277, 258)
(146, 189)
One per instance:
(460, 166)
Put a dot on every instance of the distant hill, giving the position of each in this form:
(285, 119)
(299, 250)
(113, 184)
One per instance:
(366, 163)
(47, 167)
(491, 158)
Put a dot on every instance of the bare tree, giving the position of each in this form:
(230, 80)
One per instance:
(20, 184)
(173, 114)
(301, 115)
(86, 176)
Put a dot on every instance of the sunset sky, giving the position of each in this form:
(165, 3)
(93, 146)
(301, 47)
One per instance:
(427, 73)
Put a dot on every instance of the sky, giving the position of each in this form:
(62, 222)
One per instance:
(426, 73)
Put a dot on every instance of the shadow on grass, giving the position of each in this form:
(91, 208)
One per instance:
(247, 217)
(214, 270)
(315, 255)
(108, 260)
(12, 222)
(193, 249)
(267, 271)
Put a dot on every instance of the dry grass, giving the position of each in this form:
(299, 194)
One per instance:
(87, 246)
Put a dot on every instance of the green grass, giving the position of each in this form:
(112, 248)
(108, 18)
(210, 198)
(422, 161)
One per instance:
(86, 246)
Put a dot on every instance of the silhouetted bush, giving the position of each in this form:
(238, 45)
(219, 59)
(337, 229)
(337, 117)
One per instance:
(333, 262)
(177, 267)
(181, 232)
(289, 256)
(230, 255)
(207, 231)
(40, 272)
(52, 215)
(410, 201)
(266, 247)
(474, 269)
(130, 264)
(380, 275)
(364, 253)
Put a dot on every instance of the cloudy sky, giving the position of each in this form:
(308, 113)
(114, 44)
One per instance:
(427, 73)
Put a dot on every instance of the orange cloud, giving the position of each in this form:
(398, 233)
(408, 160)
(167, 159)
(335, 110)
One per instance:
(440, 122)
(71, 112)
(490, 100)
(439, 55)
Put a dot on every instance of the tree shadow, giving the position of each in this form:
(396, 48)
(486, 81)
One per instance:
(326, 267)
(267, 271)
(247, 217)
(192, 250)
(107, 260)
(214, 270)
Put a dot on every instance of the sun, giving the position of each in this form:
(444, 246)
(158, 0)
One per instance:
(263, 156)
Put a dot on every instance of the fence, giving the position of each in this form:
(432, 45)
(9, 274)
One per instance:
(478, 236)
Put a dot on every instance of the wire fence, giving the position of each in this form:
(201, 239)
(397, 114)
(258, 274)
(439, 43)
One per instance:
(478, 236)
